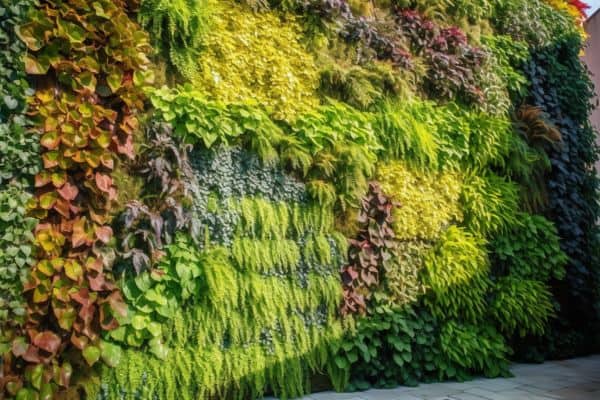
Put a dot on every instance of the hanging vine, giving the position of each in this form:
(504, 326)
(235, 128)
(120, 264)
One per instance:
(88, 60)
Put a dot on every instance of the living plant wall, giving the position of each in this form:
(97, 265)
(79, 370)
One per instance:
(214, 199)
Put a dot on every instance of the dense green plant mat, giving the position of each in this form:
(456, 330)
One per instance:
(205, 199)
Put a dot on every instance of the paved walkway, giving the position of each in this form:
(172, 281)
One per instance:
(577, 379)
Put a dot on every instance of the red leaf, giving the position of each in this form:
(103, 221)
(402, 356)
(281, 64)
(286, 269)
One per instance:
(42, 179)
(63, 207)
(94, 264)
(48, 341)
(82, 297)
(68, 191)
(80, 236)
(125, 148)
(104, 182)
(117, 304)
(32, 355)
(79, 341)
(104, 233)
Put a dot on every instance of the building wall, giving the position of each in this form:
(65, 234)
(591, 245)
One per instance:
(592, 58)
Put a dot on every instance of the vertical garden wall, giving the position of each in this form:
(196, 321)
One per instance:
(213, 199)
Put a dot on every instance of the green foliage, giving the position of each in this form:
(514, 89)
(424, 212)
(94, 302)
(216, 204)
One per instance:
(456, 277)
(251, 308)
(429, 201)
(564, 91)
(402, 284)
(403, 133)
(490, 204)
(290, 108)
(155, 297)
(343, 147)
(247, 55)
(16, 255)
(389, 347)
(532, 21)
(521, 306)
(333, 148)
(470, 348)
(177, 28)
(529, 250)
(213, 123)
(363, 86)
(471, 139)
(510, 56)
(18, 148)
(473, 10)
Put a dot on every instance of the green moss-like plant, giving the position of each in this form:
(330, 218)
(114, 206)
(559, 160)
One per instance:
(456, 277)
(429, 201)
(258, 56)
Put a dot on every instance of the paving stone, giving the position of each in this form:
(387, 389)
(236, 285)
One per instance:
(538, 392)
(577, 379)
(466, 396)
(338, 396)
(387, 394)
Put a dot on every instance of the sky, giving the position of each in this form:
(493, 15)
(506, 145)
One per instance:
(595, 4)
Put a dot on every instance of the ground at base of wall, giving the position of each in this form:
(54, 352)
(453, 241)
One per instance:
(576, 379)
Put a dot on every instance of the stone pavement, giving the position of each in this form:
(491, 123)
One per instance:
(576, 379)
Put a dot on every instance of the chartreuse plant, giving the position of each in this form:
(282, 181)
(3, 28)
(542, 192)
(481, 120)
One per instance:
(176, 30)
(85, 120)
(490, 204)
(429, 200)
(404, 133)
(280, 74)
(456, 275)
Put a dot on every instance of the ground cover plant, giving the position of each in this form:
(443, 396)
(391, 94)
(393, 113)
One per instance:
(206, 199)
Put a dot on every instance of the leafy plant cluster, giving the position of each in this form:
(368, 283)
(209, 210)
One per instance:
(19, 162)
(280, 76)
(177, 29)
(432, 199)
(370, 252)
(224, 271)
(148, 224)
(18, 149)
(16, 257)
(234, 315)
(390, 346)
(530, 250)
(84, 108)
(456, 273)
(333, 148)
(535, 22)
(556, 75)
(453, 64)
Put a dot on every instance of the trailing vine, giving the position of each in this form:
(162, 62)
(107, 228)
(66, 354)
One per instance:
(88, 91)
(370, 252)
